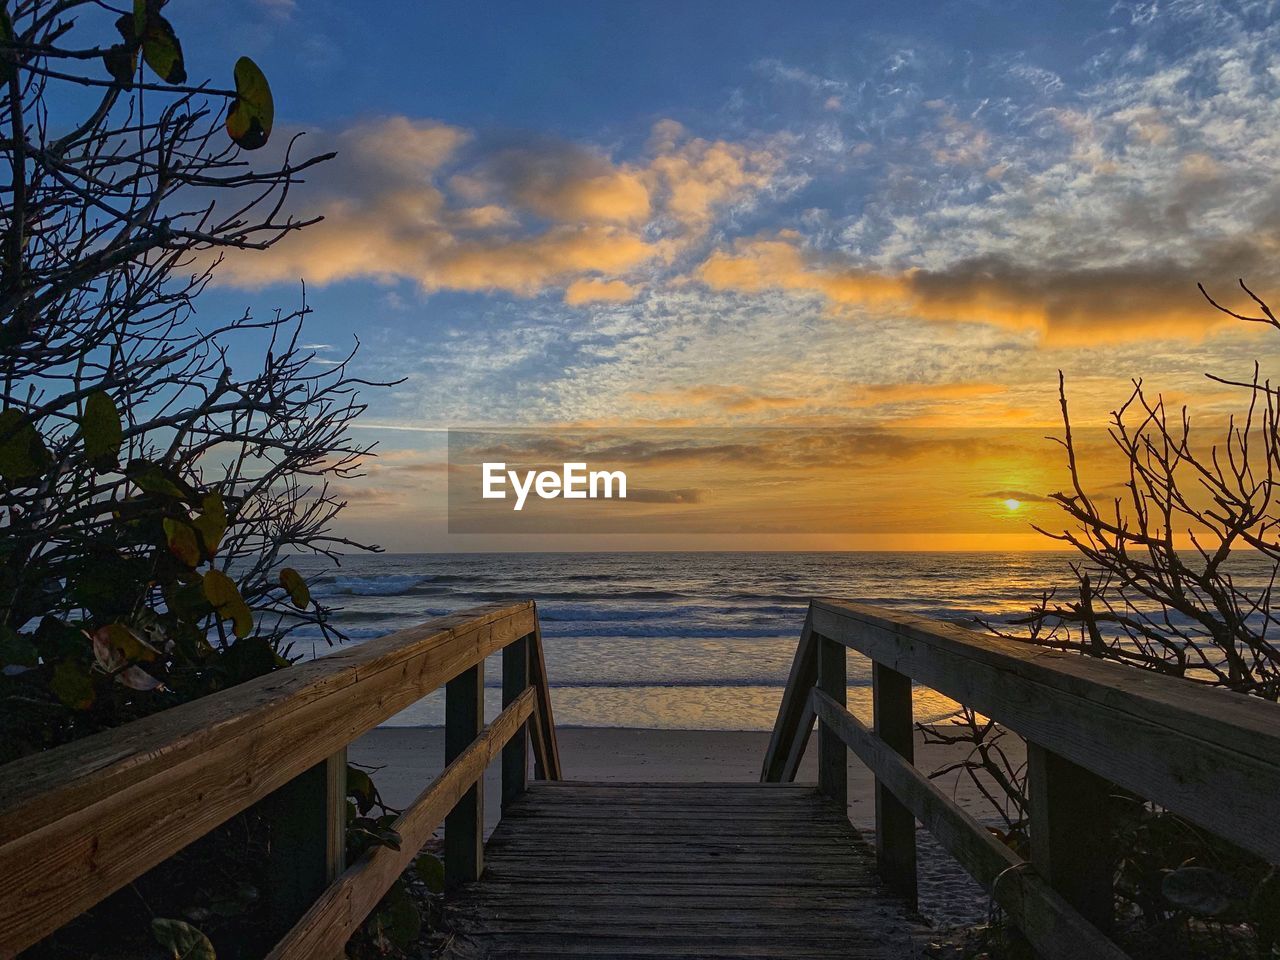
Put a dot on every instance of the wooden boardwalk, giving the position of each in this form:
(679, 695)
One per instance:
(683, 871)
(644, 870)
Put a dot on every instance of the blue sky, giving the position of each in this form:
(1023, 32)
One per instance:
(763, 212)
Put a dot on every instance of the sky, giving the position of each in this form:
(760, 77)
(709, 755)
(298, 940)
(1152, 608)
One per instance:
(803, 216)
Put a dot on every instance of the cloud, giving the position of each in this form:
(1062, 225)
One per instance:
(649, 495)
(279, 9)
(424, 201)
(1022, 496)
(1066, 304)
(731, 399)
(563, 182)
(595, 291)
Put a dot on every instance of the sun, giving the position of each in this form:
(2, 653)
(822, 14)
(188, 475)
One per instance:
(1013, 504)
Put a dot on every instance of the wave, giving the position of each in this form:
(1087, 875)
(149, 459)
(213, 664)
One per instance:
(675, 683)
(606, 629)
(384, 585)
(556, 612)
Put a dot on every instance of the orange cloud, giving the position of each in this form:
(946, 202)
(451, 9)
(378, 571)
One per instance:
(416, 200)
(1066, 305)
(731, 399)
(698, 176)
(594, 291)
(877, 394)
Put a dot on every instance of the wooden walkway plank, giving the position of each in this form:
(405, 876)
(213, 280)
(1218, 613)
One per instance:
(678, 871)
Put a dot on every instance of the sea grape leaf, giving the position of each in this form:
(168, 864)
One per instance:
(221, 592)
(182, 940)
(107, 584)
(23, 454)
(117, 644)
(135, 678)
(16, 649)
(182, 541)
(251, 115)
(160, 47)
(360, 787)
(151, 478)
(212, 522)
(102, 431)
(399, 918)
(72, 685)
(187, 600)
(249, 657)
(430, 870)
(292, 581)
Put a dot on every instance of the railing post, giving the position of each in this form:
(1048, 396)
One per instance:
(833, 755)
(895, 826)
(1070, 833)
(464, 826)
(515, 755)
(307, 820)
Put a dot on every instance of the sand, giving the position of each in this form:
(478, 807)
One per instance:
(408, 758)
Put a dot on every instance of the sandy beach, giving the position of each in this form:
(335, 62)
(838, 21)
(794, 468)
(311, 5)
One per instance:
(406, 759)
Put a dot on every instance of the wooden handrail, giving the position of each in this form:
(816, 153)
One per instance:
(324, 930)
(1205, 754)
(1030, 901)
(80, 821)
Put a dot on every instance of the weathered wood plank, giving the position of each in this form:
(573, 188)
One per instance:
(1071, 844)
(1048, 921)
(546, 754)
(308, 820)
(833, 760)
(464, 824)
(792, 729)
(1179, 744)
(80, 821)
(895, 826)
(614, 880)
(515, 755)
(325, 928)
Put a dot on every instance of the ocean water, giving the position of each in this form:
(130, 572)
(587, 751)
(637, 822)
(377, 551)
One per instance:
(672, 640)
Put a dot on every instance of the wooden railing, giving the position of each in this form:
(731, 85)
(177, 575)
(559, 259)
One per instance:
(1207, 755)
(80, 821)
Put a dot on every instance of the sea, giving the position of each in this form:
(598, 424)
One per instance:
(673, 640)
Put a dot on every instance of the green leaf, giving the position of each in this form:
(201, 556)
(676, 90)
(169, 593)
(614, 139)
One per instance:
(220, 590)
(212, 522)
(399, 917)
(16, 649)
(187, 600)
(160, 47)
(182, 940)
(360, 786)
(128, 644)
(151, 478)
(250, 118)
(249, 657)
(72, 685)
(121, 62)
(292, 581)
(23, 455)
(182, 541)
(100, 426)
(430, 870)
